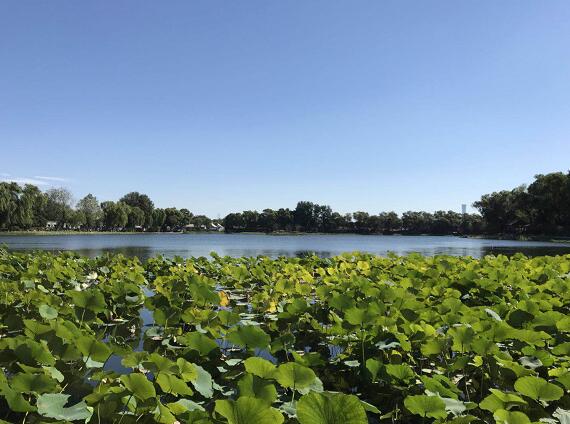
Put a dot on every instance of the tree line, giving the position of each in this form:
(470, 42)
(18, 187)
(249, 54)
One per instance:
(312, 217)
(541, 208)
(27, 207)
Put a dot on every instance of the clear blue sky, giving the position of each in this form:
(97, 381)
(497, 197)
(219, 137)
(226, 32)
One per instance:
(222, 106)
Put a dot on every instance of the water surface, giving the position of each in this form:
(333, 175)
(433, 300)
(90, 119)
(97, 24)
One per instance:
(146, 245)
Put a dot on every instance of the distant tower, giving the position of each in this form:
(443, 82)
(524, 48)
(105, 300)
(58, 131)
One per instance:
(464, 209)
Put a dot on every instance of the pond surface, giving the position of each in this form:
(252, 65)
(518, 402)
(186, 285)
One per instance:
(146, 245)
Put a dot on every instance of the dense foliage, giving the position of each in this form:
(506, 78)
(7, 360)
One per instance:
(24, 208)
(311, 217)
(542, 208)
(353, 339)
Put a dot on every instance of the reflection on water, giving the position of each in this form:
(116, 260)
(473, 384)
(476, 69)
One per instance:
(187, 245)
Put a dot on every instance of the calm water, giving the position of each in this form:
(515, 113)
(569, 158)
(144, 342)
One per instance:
(186, 245)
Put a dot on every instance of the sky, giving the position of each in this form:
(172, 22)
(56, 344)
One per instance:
(222, 106)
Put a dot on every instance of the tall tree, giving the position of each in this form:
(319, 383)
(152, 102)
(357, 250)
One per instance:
(58, 205)
(141, 201)
(91, 210)
(115, 215)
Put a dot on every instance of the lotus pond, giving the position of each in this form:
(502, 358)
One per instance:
(352, 339)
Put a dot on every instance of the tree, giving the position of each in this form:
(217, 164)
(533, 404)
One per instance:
(250, 220)
(135, 217)
(172, 219)
(141, 201)
(77, 219)
(185, 217)
(304, 216)
(361, 221)
(284, 219)
(91, 210)
(115, 215)
(201, 222)
(158, 218)
(58, 205)
(505, 211)
(9, 193)
(267, 221)
(234, 222)
(549, 202)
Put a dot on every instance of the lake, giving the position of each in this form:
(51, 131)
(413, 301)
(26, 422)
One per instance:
(146, 245)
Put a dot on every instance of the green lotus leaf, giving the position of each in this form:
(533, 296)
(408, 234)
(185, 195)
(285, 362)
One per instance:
(538, 389)
(182, 406)
(432, 347)
(36, 328)
(203, 383)
(55, 373)
(426, 406)
(31, 352)
(457, 407)
(163, 415)
(562, 349)
(360, 316)
(462, 338)
(47, 312)
(199, 342)
(308, 359)
(402, 372)
(501, 400)
(374, 366)
(294, 376)
(158, 363)
(53, 406)
(259, 367)
(187, 370)
(564, 379)
(297, 307)
(248, 410)
(253, 386)
(139, 385)
(90, 299)
(330, 408)
(134, 359)
(15, 400)
(93, 348)
(172, 384)
(249, 336)
(33, 383)
(502, 416)
(341, 301)
(440, 385)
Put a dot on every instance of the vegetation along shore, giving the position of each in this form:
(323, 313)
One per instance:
(541, 209)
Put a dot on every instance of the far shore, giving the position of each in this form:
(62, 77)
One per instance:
(542, 238)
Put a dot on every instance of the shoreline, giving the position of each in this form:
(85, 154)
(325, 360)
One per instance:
(541, 238)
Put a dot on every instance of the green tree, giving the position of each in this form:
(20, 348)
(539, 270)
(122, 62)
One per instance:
(58, 205)
(141, 201)
(115, 215)
(304, 216)
(158, 218)
(135, 217)
(172, 218)
(91, 210)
